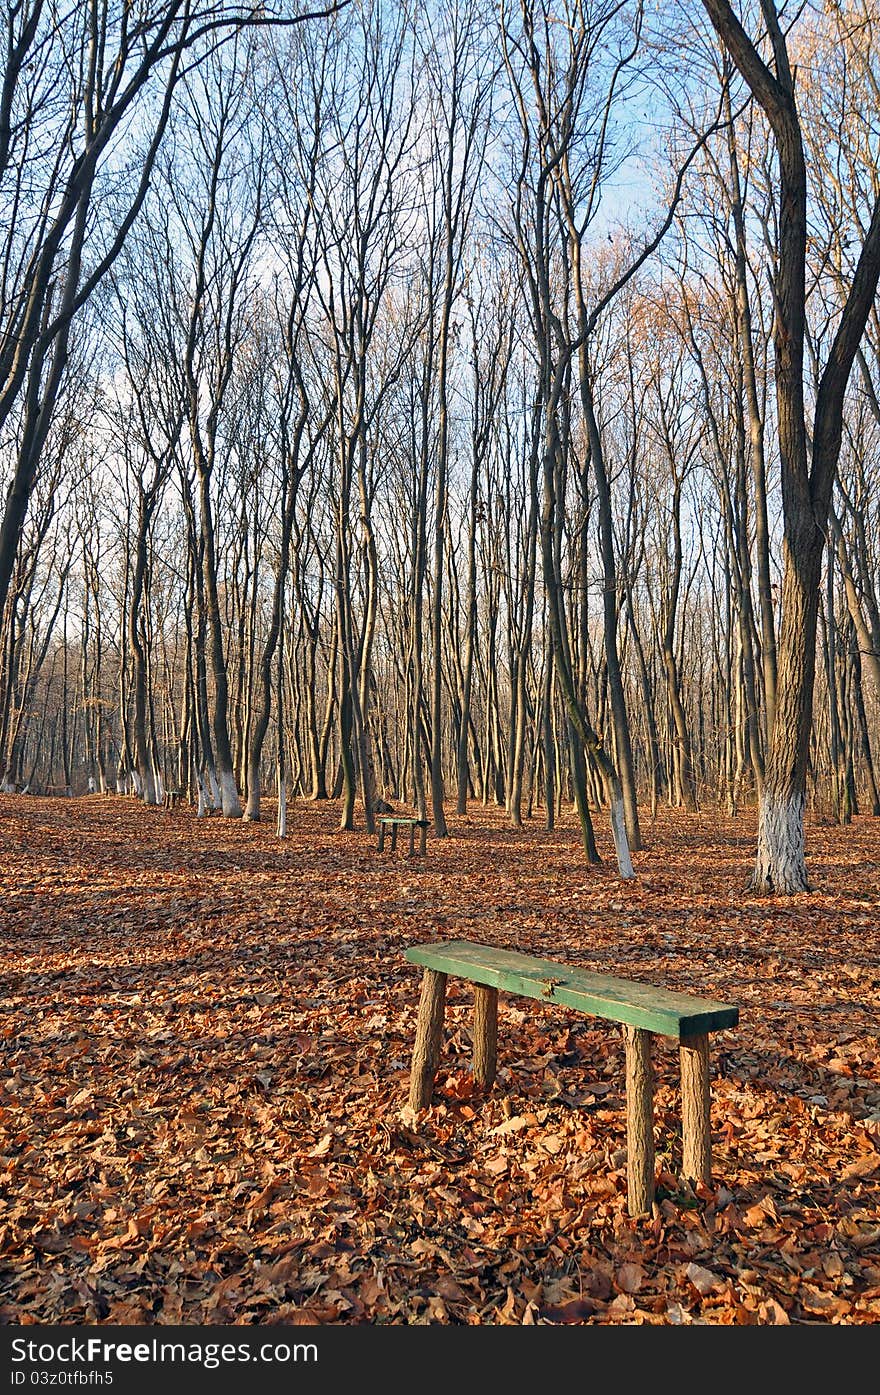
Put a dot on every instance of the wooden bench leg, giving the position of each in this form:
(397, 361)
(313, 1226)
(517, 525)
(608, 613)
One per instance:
(393, 836)
(423, 840)
(485, 1034)
(381, 843)
(695, 1104)
(412, 833)
(429, 1030)
(639, 1121)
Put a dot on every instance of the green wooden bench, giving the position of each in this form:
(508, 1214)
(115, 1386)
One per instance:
(395, 821)
(642, 1009)
(172, 797)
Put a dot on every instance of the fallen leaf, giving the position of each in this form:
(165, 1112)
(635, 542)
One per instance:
(703, 1280)
(629, 1278)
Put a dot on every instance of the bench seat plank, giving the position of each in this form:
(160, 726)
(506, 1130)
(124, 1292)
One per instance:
(642, 1005)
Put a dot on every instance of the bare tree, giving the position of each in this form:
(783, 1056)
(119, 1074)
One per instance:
(807, 471)
(74, 82)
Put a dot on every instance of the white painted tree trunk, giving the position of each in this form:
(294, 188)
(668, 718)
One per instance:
(212, 788)
(780, 865)
(229, 800)
(252, 807)
(282, 809)
(621, 842)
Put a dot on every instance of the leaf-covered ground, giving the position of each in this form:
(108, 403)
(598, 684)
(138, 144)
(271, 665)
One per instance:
(206, 1037)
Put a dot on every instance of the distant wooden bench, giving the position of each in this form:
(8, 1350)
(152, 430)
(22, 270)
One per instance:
(643, 1009)
(395, 821)
(172, 797)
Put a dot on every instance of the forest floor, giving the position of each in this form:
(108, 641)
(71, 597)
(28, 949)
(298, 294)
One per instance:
(206, 1040)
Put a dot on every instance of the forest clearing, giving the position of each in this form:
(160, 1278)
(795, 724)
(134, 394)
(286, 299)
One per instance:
(207, 1037)
(457, 421)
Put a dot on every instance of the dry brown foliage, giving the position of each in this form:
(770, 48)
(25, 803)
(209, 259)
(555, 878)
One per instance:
(206, 1040)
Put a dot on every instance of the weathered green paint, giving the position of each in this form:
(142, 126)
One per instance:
(638, 1004)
